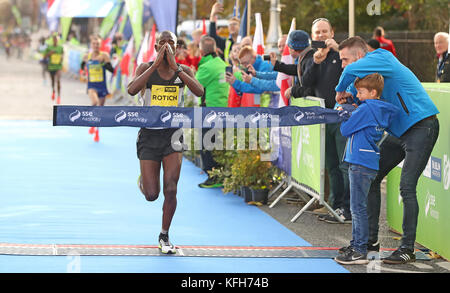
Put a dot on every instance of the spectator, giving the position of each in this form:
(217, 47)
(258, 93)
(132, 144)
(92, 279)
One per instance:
(282, 43)
(247, 57)
(211, 75)
(197, 36)
(378, 34)
(181, 54)
(246, 41)
(322, 73)
(365, 129)
(412, 136)
(234, 99)
(224, 45)
(298, 43)
(443, 66)
(372, 45)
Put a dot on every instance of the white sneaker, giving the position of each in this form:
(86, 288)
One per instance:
(164, 244)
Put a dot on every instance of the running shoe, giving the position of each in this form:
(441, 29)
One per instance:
(92, 130)
(53, 96)
(164, 244)
(371, 247)
(352, 257)
(211, 183)
(401, 256)
(96, 137)
(330, 218)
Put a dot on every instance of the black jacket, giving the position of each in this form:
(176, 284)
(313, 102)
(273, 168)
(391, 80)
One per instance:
(298, 89)
(443, 69)
(324, 77)
(220, 42)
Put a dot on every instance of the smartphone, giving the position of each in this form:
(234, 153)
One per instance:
(266, 57)
(318, 44)
(229, 69)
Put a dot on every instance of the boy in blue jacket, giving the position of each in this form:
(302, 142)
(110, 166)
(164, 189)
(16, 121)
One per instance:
(364, 130)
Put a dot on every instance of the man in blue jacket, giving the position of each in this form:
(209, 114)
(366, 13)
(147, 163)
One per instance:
(412, 135)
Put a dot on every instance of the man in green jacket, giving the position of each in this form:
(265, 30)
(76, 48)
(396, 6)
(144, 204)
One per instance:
(211, 75)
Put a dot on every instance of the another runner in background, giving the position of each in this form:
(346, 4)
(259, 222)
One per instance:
(97, 63)
(55, 54)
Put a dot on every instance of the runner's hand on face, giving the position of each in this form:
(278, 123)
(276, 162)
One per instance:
(160, 56)
(170, 57)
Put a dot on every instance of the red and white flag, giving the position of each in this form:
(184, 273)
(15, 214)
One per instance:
(106, 45)
(258, 39)
(143, 50)
(204, 32)
(284, 81)
(150, 55)
(126, 58)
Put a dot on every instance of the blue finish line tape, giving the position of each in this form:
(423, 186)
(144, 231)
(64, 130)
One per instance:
(207, 117)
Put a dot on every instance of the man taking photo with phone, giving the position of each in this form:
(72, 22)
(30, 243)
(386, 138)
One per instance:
(322, 73)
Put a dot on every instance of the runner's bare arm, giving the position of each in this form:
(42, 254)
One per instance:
(186, 74)
(188, 78)
(143, 73)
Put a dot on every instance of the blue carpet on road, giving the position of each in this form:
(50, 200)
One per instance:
(58, 186)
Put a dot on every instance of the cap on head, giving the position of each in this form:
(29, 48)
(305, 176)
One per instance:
(298, 40)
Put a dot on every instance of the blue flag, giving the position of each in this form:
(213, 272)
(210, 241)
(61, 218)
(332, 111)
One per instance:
(243, 28)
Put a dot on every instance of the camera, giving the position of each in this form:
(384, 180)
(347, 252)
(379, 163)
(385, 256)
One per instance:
(229, 69)
(266, 57)
(318, 44)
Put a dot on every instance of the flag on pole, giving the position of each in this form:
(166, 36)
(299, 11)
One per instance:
(106, 45)
(236, 12)
(243, 27)
(143, 50)
(151, 53)
(284, 81)
(109, 21)
(135, 12)
(204, 28)
(125, 63)
(258, 39)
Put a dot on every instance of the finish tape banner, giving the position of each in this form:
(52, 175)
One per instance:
(207, 117)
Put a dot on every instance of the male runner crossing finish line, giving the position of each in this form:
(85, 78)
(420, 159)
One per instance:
(163, 77)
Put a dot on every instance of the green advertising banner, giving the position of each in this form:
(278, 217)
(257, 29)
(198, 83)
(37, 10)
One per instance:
(433, 189)
(307, 164)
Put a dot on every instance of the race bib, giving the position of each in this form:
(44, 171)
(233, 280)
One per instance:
(55, 58)
(164, 95)
(95, 73)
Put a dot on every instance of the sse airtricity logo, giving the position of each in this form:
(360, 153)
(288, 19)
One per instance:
(255, 117)
(166, 116)
(210, 117)
(298, 116)
(74, 115)
(120, 116)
